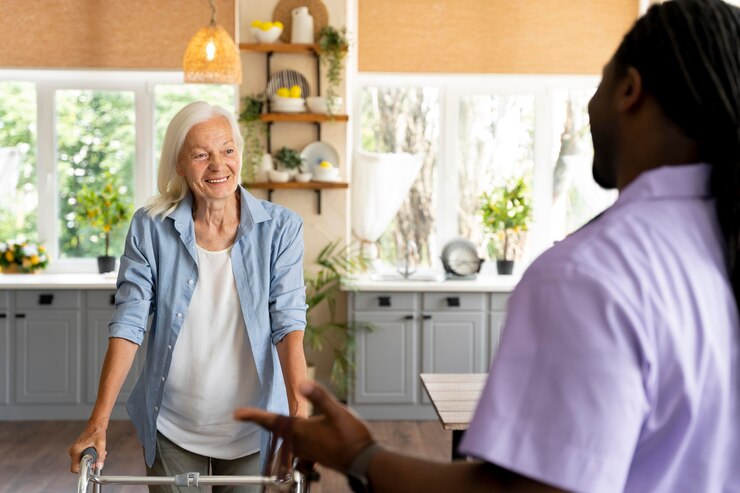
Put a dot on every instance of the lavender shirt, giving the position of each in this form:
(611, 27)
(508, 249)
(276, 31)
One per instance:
(618, 366)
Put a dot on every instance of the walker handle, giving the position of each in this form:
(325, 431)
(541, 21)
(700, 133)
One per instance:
(88, 461)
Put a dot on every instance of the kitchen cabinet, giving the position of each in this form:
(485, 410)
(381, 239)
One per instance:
(413, 333)
(52, 344)
(496, 324)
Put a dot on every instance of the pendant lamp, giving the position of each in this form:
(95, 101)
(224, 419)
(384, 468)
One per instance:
(211, 56)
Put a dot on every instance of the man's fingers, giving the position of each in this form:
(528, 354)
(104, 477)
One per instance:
(324, 401)
(262, 418)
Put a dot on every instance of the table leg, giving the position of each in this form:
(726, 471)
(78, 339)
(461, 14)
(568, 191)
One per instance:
(456, 439)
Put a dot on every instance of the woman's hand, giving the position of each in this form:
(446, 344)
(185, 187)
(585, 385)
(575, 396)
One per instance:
(332, 438)
(93, 435)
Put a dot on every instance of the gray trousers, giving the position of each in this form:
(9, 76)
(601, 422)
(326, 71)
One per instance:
(172, 459)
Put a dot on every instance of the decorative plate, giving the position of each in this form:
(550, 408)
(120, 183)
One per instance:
(283, 12)
(287, 78)
(315, 152)
(460, 258)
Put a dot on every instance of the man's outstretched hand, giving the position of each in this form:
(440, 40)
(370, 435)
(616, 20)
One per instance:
(332, 438)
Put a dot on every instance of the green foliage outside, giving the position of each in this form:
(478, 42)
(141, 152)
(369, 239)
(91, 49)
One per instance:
(506, 213)
(323, 287)
(106, 209)
(95, 139)
(18, 129)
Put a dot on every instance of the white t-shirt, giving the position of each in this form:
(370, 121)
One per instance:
(212, 370)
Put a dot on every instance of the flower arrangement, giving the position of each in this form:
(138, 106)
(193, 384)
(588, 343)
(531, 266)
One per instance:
(23, 257)
(506, 212)
(103, 209)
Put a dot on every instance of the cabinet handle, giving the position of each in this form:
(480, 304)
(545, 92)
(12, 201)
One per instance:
(427, 317)
(453, 301)
(113, 299)
(384, 301)
(20, 315)
(409, 317)
(46, 299)
(3, 315)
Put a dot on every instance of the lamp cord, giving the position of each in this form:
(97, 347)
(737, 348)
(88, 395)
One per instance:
(213, 12)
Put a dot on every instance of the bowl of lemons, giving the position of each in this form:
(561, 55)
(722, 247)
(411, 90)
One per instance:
(267, 32)
(325, 171)
(288, 100)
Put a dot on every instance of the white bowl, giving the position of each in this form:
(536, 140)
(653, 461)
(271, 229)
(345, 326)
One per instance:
(318, 104)
(280, 100)
(269, 36)
(303, 177)
(278, 176)
(325, 174)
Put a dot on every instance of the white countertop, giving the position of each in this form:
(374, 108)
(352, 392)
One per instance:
(482, 283)
(57, 281)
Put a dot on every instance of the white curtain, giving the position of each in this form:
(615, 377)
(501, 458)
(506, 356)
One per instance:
(10, 170)
(380, 184)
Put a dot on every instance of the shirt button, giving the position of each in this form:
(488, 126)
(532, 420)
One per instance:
(169, 347)
(179, 315)
(190, 281)
(156, 408)
(163, 379)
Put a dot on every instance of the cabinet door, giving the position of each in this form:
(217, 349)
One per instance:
(496, 322)
(387, 358)
(97, 345)
(4, 356)
(47, 356)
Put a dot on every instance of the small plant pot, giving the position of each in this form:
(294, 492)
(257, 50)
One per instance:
(106, 264)
(505, 267)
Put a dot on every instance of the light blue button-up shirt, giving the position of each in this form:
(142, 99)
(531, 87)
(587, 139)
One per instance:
(158, 274)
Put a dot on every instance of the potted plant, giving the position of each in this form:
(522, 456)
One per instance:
(290, 159)
(333, 46)
(506, 212)
(254, 129)
(22, 257)
(322, 288)
(103, 209)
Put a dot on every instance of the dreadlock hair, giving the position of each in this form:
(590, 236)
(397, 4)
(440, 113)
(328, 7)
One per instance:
(688, 55)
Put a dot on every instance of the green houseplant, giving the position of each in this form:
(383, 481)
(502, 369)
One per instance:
(22, 257)
(103, 209)
(506, 213)
(322, 288)
(254, 130)
(289, 158)
(333, 46)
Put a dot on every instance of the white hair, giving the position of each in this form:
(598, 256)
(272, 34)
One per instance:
(172, 187)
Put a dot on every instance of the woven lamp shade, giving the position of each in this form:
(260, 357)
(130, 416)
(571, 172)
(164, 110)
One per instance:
(212, 57)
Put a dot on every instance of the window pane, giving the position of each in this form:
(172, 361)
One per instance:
(406, 119)
(95, 135)
(18, 193)
(170, 98)
(495, 145)
(576, 198)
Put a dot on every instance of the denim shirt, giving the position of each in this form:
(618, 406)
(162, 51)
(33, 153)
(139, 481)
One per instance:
(157, 277)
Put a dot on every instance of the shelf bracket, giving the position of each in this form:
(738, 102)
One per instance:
(318, 201)
(318, 130)
(269, 194)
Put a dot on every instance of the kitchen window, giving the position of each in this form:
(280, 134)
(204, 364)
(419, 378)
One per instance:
(476, 132)
(62, 129)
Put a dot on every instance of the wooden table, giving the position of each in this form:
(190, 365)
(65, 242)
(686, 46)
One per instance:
(454, 397)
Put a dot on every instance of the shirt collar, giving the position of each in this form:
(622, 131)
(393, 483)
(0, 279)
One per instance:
(252, 212)
(669, 181)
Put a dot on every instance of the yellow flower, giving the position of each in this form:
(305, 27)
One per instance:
(26, 263)
(9, 256)
(106, 228)
(42, 249)
(34, 259)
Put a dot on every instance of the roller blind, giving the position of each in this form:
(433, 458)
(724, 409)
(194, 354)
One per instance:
(491, 36)
(120, 34)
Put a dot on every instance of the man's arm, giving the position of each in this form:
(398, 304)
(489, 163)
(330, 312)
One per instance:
(293, 364)
(337, 436)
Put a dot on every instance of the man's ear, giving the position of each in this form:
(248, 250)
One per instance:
(629, 90)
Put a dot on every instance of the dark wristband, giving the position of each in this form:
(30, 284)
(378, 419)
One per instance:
(357, 472)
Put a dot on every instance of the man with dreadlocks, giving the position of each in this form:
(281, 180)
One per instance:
(618, 369)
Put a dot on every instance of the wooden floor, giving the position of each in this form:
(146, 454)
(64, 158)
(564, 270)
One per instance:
(33, 454)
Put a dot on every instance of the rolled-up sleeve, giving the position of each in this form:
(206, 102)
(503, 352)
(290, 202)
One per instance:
(287, 301)
(135, 285)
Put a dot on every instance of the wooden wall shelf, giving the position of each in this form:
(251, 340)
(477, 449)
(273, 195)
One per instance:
(279, 47)
(316, 186)
(302, 117)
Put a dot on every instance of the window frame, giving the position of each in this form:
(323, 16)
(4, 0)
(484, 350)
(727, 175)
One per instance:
(46, 83)
(451, 89)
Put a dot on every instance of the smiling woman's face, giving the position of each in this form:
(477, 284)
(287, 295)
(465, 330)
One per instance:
(209, 161)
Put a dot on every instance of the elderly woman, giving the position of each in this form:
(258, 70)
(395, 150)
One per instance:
(221, 274)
